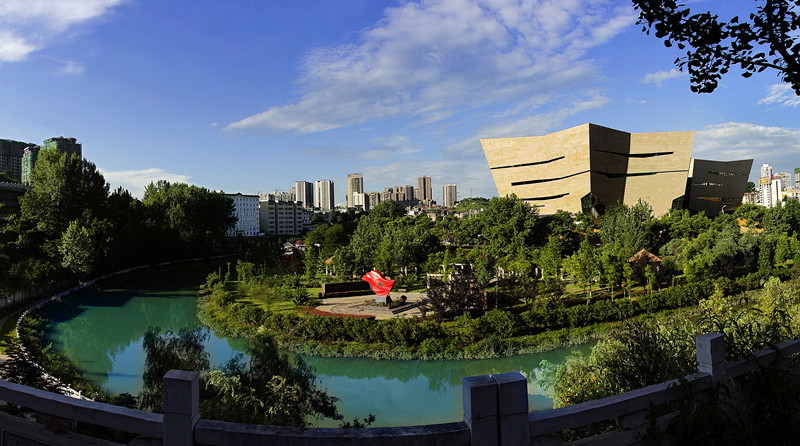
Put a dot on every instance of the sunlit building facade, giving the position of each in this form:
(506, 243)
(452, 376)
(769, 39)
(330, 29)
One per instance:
(590, 168)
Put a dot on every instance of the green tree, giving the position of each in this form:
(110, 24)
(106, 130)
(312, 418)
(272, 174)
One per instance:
(387, 209)
(186, 220)
(63, 188)
(627, 272)
(550, 258)
(612, 264)
(6, 177)
(630, 226)
(77, 249)
(508, 225)
(584, 266)
(768, 41)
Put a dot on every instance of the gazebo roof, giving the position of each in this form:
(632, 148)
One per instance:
(645, 255)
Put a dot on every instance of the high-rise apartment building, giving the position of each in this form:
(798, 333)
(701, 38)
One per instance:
(786, 179)
(449, 195)
(425, 190)
(29, 157)
(283, 217)
(766, 171)
(304, 193)
(387, 194)
(11, 157)
(361, 200)
(64, 145)
(323, 195)
(246, 211)
(355, 184)
(404, 194)
(797, 178)
(373, 199)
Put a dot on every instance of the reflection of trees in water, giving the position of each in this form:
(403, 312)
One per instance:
(441, 375)
(93, 328)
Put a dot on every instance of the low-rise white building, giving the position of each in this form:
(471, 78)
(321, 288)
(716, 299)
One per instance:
(245, 209)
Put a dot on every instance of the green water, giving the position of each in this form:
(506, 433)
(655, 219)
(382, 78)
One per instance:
(101, 331)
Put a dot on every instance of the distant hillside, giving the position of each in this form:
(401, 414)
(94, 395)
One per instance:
(469, 204)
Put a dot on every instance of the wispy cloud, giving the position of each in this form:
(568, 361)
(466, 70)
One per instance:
(778, 146)
(71, 68)
(434, 59)
(527, 125)
(136, 180)
(393, 146)
(659, 77)
(781, 94)
(29, 25)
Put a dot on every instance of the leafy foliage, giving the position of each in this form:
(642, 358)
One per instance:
(267, 389)
(768, 40)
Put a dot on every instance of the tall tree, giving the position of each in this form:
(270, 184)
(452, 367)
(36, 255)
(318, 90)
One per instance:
(630, 226)
(770, 40)
(77, 249)
(186, 219)
(64, 188)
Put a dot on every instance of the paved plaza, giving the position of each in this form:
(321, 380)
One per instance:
(361, 305)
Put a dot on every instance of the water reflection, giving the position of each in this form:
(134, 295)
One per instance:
(102, 331)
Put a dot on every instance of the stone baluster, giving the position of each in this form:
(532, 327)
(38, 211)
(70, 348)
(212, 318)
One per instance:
(181, 401)
(480, 409)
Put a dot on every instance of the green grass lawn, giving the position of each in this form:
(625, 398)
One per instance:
(275, 307)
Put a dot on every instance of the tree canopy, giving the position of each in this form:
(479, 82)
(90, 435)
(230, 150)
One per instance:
(769, 40)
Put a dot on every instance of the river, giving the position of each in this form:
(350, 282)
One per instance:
(101, 331)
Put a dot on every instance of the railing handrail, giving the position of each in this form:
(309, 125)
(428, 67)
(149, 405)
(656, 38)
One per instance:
(92, 412)
(554, 420)
(223, 433)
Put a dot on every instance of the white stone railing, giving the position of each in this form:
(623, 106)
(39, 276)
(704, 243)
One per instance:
(495, 412)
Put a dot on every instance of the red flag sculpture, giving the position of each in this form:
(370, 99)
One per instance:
(380, 284)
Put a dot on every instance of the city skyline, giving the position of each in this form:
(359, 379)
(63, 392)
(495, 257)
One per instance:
(255, 97)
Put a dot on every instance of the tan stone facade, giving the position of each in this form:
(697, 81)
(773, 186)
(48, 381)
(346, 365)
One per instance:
(587, 165)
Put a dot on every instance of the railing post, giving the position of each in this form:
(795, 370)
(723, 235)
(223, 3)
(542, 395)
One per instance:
(512, 392)
(181, 401)
(711, 356)
(480, 409)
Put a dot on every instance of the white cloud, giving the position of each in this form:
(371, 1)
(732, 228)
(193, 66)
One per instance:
(530, 125)
(136, 180)
(659, 77)
(433, 59)
(29, 25)
(778, 146)
(71, 68)
(781, 94)
(14, 48)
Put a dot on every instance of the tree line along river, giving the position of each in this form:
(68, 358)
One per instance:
(101, 332)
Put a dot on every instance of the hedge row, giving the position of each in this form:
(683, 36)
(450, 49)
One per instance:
(464, 330)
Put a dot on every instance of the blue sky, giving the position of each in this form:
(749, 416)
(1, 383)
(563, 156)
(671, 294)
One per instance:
(250, 96)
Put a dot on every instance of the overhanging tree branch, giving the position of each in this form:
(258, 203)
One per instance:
(770, 40)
